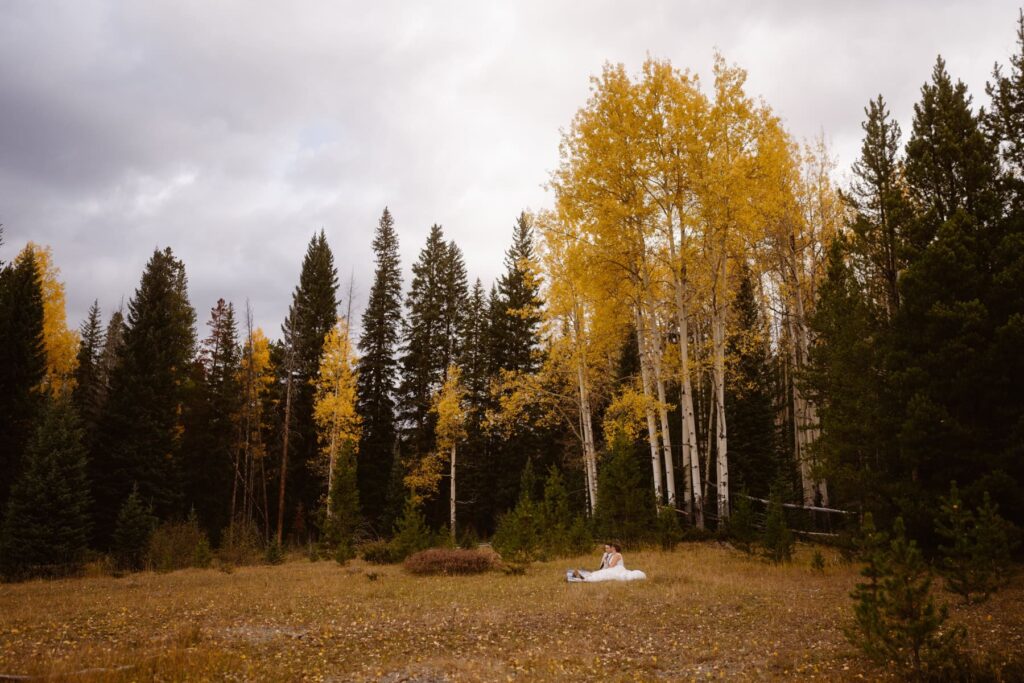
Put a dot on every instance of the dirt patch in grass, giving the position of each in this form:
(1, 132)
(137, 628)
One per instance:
(706, 612)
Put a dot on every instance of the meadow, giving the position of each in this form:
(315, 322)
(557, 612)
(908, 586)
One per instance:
(707, 612)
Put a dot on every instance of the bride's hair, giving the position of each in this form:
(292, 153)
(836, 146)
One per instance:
(617, 547)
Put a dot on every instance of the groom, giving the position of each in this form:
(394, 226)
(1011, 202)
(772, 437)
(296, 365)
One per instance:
(582, 574)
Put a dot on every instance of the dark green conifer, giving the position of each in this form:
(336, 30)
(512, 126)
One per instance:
(140, 435)
(22, 362)
(378, 372)
(342, 514)
(211, 422)
(896, 619)
(311, 315)
(755, 454)
(45, 529)
(134, 527)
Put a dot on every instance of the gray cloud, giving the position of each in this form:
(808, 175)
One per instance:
(232, 131)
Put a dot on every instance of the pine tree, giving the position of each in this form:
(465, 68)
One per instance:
(950, 165)
(514, 349)
(432, 339)
(141, 431)
(557, 519)
(843, 379)
(976, 556)
(46, 527)
(896, 620)
(134, 527)
(1005, 120)
(515, 331)
(625, 508)
(476, 472)
(342, 518)
(777, 539)
(211, 422)
(411, 532)
(877, 196)
(951, 422)
(378, 371)
(520, 532)
(22, 362)
(89, 390)
(754, 444)
(311, 315)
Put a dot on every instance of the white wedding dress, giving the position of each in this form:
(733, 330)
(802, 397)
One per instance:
(616, 573)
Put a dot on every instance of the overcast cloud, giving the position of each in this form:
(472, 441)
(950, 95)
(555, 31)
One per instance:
(231, 131)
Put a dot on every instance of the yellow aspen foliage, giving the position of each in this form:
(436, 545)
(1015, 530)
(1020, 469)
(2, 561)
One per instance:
(449, 404)
(626, 415)
(59, 342)
(334, 408)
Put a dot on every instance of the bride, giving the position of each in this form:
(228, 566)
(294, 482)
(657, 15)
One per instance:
(612, 569)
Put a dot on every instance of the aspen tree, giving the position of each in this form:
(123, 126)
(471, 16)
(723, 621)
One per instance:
(334, 407)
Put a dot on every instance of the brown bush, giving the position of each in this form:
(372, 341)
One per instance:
(449, 561)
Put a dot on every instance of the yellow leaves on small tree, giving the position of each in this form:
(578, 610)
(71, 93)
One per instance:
(449, 404)
(334, 408)
(59, 342)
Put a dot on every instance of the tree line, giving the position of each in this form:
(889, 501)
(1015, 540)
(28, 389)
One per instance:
(701, 316)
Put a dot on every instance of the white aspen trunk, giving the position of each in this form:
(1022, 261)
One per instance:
(692, 497)
(659, 382)
(586, 419)
(284, 452)
(804, 412)
(451, 518)
(589, 452)
(722, 442)
(652, 426)
(707, 441)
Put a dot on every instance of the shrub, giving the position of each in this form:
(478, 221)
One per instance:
(274, 554)
(176, 545)
(818, 562)
(448, 562)
(896, 621)
(241, 544)
(380, 552)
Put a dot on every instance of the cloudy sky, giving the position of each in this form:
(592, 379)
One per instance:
(231, 131)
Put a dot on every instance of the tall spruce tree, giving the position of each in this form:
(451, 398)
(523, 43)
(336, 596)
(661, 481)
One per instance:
(141, 430)
(475, 498)
(432, 338)
(843, 379)
(515, 331)
(378, 372)
(941, 362)
(311, 315)
(880, 211)
(46, 526)
(22, 362)
(514, 348)
(211, 422)
(754, 439)
(88, 392)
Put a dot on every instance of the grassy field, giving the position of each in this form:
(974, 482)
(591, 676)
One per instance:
(706, 612)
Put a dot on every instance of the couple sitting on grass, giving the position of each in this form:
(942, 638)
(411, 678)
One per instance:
(612, 568)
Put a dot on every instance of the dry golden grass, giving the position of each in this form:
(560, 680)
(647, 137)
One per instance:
(706, 612)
